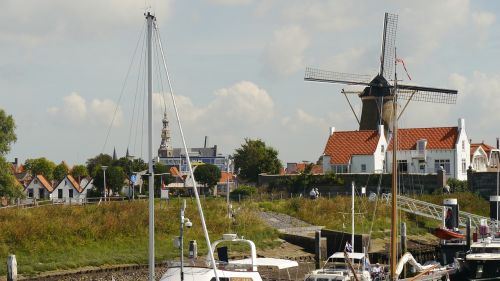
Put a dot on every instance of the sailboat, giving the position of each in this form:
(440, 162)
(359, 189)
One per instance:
(344, 266)
(242, 270)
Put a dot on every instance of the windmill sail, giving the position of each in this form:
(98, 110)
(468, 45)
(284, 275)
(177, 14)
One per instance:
(388, 44)
(427, 94)
(318, 75)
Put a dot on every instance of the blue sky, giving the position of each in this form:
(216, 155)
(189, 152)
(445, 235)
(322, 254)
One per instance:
(237, 68)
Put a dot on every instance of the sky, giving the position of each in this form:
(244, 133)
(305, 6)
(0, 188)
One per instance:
(236, 68)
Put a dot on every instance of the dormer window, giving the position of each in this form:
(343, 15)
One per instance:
(421, 144)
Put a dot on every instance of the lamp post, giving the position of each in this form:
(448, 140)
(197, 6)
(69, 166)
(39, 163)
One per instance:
(104, 185)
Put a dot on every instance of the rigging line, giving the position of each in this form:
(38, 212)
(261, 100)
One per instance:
(135, 96)
(143, 111)
(195, 189)
(140, 108)
(160, 76)
(123, 89)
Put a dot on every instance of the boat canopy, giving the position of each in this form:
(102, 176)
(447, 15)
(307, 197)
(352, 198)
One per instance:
(340, 255)
(279, 263)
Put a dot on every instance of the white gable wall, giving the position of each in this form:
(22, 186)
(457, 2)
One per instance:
(61, 193)
(35, 187)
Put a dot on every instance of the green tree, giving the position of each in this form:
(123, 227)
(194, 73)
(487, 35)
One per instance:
(207, 174)
(60, 171)
(254, 158)
(79, 172)
(115, 177)
(7, 134)
(99, 160)
(41, 166)
(9, 186)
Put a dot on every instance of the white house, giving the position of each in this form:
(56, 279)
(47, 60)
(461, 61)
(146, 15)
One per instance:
(38, 188)
(483, 157)
(355, 151)
(71, 191)
(425, 150)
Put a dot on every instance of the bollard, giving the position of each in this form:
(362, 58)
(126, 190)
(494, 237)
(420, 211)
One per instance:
(11, 268)
(317, 248)
(193, 249)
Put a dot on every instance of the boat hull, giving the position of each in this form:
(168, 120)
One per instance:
(207, 274)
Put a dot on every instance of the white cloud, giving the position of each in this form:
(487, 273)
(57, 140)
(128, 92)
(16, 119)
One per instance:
(77, 111)
(324, 15)
(484, 19)
(284, 54)
(429, 24)
(302, 120)
(33, 22)
(232, 2)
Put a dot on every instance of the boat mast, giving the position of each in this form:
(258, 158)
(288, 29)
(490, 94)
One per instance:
(352, 217)
(150, 22)
(394, 218)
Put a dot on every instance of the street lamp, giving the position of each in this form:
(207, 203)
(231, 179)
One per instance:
(104, 185)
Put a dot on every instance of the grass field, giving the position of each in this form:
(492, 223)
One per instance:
(335, 213)
(64, 237)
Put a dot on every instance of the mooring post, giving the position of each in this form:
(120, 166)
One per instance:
(11, 268)
(317, 249)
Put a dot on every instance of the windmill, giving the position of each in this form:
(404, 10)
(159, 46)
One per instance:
(379, 99)
(378, 95)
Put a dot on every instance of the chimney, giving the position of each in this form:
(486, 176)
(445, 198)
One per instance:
(15, 159)
(332, 130)
(498, 143)
(380, 130)
(461, 124)
(206, 142)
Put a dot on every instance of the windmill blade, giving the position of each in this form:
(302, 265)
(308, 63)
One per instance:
(427, 94)
(314, 74)
(388, 45)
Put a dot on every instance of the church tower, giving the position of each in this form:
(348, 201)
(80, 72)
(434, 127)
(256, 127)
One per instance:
(165, 149)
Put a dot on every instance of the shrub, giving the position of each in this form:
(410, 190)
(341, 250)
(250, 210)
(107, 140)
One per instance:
(244, 190)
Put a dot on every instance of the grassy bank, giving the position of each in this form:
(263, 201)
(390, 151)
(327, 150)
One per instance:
(335, 213)
(64, 237)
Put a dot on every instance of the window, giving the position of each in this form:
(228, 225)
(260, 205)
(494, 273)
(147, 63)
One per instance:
(70, 193)
(363, 168)
(421, 166)
(30, 193)
(340, 168)
(463, 145)
(464, 166)
(442, 162)
(421, 146)
(402, 166)
(382, 148)
(59, 193)
(41, 193)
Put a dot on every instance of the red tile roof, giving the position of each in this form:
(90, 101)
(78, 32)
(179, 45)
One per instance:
(437, 138)
(486, 147)
(225, 176)
(75, 184)
(342, 145)
(45, 183)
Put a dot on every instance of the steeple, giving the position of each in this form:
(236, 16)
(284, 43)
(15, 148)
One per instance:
(165, 149)
(127, 155)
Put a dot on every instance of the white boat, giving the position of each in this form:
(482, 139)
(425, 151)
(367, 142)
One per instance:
(232, 270)
(337, 269)
(482, 262)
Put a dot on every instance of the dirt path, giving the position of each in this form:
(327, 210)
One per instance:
(288, 224)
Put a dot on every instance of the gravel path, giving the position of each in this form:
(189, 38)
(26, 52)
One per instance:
(288, 224)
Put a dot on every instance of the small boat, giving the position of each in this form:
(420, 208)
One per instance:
(227, 270)
(482, 262)
(336, 268)
(447, 234)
